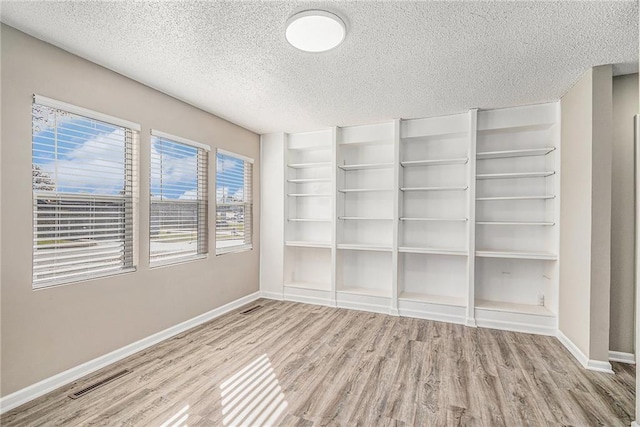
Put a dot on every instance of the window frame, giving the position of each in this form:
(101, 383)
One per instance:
(243, 247)
(207, 149)
(130, 167)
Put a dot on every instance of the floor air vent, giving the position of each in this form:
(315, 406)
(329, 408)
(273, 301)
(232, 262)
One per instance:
(100, 383)
(251, 310)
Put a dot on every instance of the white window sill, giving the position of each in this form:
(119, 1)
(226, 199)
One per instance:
(233, 249)
(56, 284)
(176, 261)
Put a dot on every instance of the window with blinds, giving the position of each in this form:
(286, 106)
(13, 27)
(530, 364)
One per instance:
(83, 179)
(234, 204)
(178, 220)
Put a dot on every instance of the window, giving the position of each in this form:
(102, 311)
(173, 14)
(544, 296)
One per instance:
(83, 179)
(234, 202)
(178, 220)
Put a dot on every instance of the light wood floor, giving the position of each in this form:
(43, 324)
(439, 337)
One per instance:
(302, 365)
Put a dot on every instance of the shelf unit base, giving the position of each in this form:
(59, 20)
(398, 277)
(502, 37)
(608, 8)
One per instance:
(364, 299)
(509, 319)
(432, 307)
(516, 317)
(297, 292)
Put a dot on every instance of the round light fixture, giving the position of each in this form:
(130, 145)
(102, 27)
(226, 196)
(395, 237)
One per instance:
(315, 30)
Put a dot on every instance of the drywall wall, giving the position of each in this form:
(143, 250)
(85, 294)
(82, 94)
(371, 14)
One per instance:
(575, 212)
(272, 228)
(585, 214)
(602, 134)
(47, 331)
(625, 107)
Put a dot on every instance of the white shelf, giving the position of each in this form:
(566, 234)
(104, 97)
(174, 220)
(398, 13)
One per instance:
(366, 291)
(308, 180)
(434, 137)
(511, 307)
(547, 224)
(434, 219)
(514, 153)
(315, 147)
(434, 188)
(366, 166)
(516, 128)
(363, 190)
(308, 195)
(364, 218)
(309, 285)
(433, 299)
(515, 175)
(487, 199)
(368, 142)
(432, 251)
(309, 219)
(441, 162)
(309, 165)
(303, 244)
(364, 247)
(517, 255)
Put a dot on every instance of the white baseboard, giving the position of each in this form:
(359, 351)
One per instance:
(47, 385)
(619, 356)
(600, 366)
(573, 349)
(272, 295)
(592, 365)
(361, 306)
(505, 325)
(310, 300)
(437, 317)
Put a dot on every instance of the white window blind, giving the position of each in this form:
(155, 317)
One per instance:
(84, 188)
(234, 207)
(178, 199)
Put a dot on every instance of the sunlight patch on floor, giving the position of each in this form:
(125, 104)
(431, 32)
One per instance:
(178, 418)
(252, 396)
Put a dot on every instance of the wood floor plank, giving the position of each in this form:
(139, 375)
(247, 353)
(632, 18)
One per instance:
(300, 365)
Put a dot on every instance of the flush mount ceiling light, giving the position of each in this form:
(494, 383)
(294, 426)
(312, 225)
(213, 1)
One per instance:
(315, 30)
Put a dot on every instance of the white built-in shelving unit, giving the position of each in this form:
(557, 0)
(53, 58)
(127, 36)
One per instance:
(434, 218)
(309, 188)
(365, 190)
(451, 218)
(517, 215)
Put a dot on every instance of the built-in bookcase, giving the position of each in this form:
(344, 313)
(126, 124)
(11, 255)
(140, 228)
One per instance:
(517, 216)
(450, 218)
(433, 217)
(365, 189)
(309, 226)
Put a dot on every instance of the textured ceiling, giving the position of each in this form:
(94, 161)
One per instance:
(400, 59)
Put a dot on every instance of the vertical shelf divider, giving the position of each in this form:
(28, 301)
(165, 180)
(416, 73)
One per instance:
(471, 223)
(285, 154)
(334, 216)
(396, 219)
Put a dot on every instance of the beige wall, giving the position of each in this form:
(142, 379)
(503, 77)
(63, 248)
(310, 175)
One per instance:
(272, 254)
(585, 214)
(575, 212)
(625, 106)
(602, 133)
(48, 331)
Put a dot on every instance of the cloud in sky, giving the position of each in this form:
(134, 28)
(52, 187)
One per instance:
(94, 166)
(225, 164)
(189, 195)
(179, 170)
